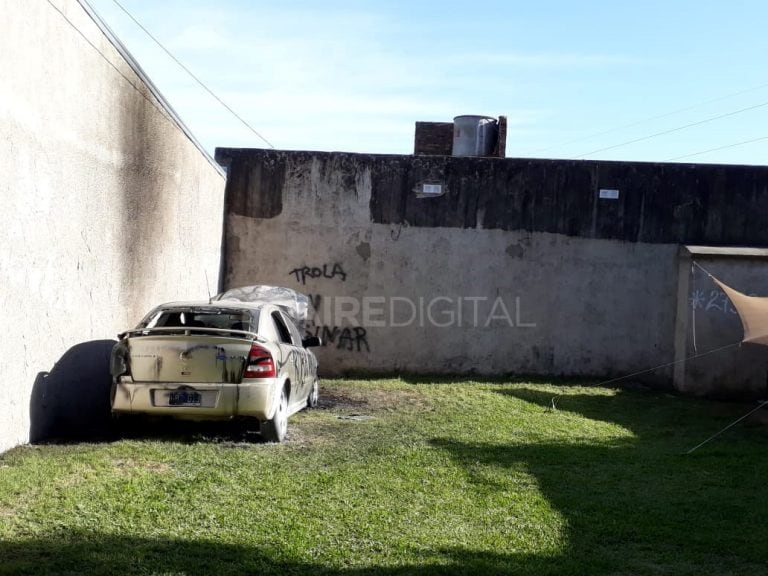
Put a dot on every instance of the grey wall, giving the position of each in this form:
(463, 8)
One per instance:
(594, 287)
(108, 207)
(351, 225)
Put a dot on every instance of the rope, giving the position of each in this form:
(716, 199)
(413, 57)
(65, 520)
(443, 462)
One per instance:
(665, 365)
(694, 263)
(731, 425)
(693, 357)
(693, 308)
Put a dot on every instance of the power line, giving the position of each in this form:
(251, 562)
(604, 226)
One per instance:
(677, 129)
(188, 71)
(652, 118)
(107, 60)
(716, 149)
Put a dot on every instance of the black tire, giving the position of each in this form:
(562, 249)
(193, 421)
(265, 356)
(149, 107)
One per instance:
(275, 430)
(314, 395)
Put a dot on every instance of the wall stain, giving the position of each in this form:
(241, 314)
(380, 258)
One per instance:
(515, 250)
(254, 190)
(364, 250)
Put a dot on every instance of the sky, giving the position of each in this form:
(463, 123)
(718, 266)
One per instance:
(595, 79)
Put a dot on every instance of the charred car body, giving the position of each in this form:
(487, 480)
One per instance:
(240, 355)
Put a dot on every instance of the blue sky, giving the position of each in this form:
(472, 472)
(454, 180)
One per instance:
(573, 78)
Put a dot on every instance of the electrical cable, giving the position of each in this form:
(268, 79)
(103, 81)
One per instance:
(716, 149)
(192, 75)
(108, 61)
(652, 118)
(677, 129)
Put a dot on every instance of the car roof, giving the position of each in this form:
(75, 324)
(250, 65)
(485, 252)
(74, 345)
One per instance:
(218, 304)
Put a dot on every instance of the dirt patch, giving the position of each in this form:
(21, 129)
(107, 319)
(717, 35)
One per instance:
(339, 399)
(370, 401)
(341, 409)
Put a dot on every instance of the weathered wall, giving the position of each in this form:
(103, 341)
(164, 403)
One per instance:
(598, 278)
(589, 284)
(108, 207)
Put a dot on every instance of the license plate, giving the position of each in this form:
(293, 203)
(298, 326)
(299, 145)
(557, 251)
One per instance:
(184, 398)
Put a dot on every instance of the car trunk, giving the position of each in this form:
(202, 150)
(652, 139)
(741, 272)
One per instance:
(183, 358)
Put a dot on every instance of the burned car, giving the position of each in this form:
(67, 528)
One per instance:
(239, 355)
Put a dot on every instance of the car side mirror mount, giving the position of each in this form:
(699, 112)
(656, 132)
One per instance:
(311, 342)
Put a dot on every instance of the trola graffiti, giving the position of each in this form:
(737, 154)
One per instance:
(329, 271)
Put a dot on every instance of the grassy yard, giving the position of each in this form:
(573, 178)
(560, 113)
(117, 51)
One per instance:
(416, 477)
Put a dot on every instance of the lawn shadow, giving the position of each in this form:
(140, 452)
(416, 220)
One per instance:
(635, 504)
(94, 553)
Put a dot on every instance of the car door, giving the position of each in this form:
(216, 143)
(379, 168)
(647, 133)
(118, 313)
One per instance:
(291, 355)
(305, 372)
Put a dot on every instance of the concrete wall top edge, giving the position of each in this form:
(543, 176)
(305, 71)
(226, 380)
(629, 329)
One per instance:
(223, 152)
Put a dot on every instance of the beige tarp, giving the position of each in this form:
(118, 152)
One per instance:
(753, 311)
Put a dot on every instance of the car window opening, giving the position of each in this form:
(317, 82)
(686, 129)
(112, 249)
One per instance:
(282, 330)
(221, 319)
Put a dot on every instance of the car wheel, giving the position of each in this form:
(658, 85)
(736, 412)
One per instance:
(314, 395)
(275, 430)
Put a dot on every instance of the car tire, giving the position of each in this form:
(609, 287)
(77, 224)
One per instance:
(314, 395)
(275, 430)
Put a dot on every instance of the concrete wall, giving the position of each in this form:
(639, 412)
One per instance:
(344, 225)
(590, 280)
(108, 207)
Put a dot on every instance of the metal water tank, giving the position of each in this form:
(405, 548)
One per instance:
(474, 135)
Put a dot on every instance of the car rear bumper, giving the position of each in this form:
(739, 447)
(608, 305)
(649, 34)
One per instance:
(252, 398)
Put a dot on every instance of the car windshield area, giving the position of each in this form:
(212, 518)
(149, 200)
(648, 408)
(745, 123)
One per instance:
(221, 318)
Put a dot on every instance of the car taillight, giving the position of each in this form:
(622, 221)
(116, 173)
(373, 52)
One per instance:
(118, 362)
(260, 363)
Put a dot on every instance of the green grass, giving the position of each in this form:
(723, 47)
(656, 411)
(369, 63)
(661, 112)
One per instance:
(443, 478)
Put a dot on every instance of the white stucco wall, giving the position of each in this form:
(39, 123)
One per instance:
(108, 207)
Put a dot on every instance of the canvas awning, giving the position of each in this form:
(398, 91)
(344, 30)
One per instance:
(753, 311)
